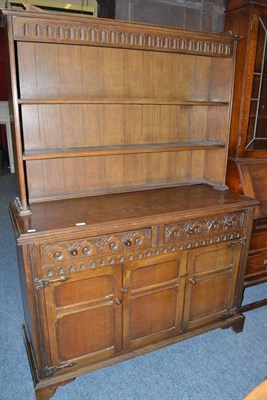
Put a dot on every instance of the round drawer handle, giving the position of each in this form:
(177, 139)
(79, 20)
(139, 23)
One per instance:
(74, 252)
(113, 246)
(86, 251)
(138, 241)
(128, 242)
(117, 301)
(58, 255)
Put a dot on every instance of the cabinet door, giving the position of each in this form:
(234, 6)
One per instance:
(210, 284)
(153, 300)
(84, 316)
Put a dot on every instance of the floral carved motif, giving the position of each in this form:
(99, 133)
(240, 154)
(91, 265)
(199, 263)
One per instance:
(203, 228)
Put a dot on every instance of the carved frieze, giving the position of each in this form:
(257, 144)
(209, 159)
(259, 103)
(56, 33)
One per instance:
(123, 35)
(204, 228)
(77, 256)
(233, 238)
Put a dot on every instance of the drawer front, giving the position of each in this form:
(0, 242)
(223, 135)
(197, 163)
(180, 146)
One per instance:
(95, 246)
(258, 241)
(205, 231)
(257, 264)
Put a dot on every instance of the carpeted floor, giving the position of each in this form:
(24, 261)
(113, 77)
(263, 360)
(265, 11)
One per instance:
(219, 365)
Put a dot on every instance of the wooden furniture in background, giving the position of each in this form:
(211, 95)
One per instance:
(247, 164)
(106, 8)
(127, 238)
(5, 120)
(89, 8)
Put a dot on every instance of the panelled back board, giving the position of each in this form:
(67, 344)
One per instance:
(117, 107)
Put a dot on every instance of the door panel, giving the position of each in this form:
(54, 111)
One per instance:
(146, 276)
(153, 300)
(153, 312)
(83, 290)
(84, 316)
(206, 261)
(211, 283)
(209, 295)
(85, 332)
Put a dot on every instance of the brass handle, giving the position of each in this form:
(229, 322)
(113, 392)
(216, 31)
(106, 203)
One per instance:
(117, 301)
(128, 243)
(58, 256)
(74, 252)
(112, 246)
(191, 280)
(125, 289)
(86, 251)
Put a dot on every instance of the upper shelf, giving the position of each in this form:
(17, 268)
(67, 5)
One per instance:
(124, 101)
(119, 149)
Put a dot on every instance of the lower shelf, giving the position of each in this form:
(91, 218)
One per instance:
(120, 149)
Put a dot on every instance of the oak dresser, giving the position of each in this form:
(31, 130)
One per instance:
(128, 239)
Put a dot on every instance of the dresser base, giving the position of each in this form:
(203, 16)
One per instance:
(45, 388)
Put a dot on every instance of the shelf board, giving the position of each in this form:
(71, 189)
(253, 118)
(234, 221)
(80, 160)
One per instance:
(259, 73)
(119, 149)
(124, 101)
(259, 116)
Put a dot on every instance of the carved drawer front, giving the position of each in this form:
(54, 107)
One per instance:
(96, 246)
(206, 231)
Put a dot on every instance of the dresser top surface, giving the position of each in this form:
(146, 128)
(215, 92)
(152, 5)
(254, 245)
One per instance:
(129, 210)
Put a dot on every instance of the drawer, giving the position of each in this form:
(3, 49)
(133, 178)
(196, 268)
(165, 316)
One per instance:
(257, 264)
(205, 231)
(258, 241)
(96, 246)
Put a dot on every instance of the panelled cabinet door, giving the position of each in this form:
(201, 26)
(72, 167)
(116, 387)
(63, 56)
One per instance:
(153, 300)
(84, 316)
(210, 284)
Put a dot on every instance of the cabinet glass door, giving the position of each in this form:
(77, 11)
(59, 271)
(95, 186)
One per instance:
(257, 127)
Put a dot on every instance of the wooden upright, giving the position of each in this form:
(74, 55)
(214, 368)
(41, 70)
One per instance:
(247, 164)
(128, 239)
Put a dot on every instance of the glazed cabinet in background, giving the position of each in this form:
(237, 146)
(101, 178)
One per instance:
(247, 163)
